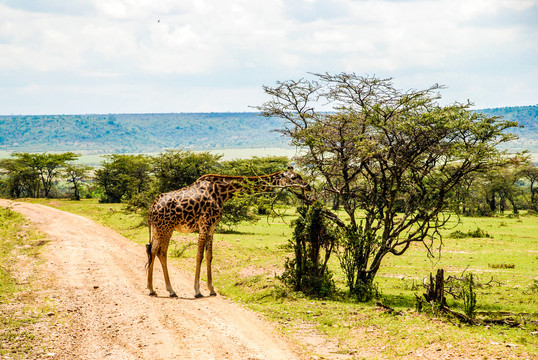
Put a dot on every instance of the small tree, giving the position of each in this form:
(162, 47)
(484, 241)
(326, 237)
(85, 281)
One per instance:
(175, 169)
(31, 174)
(314, 239)
(469, 296)
(353, 242)
(75, 174)
(21, 178)
(123, 176)
(392, 157)
(530, 172)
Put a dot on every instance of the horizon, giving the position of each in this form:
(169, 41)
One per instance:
(212, 112)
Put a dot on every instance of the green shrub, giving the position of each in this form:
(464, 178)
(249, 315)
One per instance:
(478, 233)
(313, 241)
(469, 297)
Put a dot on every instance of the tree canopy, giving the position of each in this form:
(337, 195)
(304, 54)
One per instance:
(123, 176)
(390, 157)
(32, 174)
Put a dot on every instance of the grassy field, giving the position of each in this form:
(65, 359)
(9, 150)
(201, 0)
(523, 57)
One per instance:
(21, 306)
(504, 262)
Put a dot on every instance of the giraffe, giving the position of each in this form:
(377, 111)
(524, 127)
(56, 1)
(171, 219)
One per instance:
(198, 207)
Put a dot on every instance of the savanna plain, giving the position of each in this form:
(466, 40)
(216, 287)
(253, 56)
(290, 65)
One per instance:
(248, 261)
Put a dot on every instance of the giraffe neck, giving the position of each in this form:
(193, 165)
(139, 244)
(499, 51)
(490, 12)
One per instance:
(225, 187)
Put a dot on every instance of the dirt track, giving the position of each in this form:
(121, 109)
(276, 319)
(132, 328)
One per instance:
(98, 285)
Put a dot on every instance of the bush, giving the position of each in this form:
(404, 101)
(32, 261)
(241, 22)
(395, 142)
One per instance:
(469, 297)
(478, 233)
(235, 211)
(313, 241)
(353, 242)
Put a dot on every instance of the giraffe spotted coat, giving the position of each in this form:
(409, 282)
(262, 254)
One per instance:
(198, 208)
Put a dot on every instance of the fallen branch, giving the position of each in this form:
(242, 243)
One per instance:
(388, 309)
(458, 315)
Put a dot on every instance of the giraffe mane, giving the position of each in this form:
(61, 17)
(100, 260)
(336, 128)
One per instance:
(239, 177)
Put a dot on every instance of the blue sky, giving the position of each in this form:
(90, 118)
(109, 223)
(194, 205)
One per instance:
(139, 56)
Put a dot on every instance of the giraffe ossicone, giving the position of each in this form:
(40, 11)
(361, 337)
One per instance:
(198, 207)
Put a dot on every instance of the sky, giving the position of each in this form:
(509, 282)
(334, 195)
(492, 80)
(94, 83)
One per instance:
(157, 56)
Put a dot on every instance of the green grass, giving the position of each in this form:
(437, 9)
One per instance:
(245, 263)
(19, 308)
(9, 223)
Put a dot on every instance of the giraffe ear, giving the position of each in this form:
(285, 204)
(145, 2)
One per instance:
(289, 172)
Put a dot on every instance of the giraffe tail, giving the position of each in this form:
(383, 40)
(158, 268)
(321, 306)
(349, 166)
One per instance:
(148, 247)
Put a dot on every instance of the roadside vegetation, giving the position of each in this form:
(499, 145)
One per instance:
(21, 306)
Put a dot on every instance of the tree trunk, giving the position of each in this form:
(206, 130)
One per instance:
(77, 194)
(436, 289)
(502, 204)
(534, 199)
(491, 202)
(514, 206)
(336, 202)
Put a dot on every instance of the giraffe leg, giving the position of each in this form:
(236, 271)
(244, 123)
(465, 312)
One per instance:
(151, 256)
(209, 259)
(199, 259)
(162, 258)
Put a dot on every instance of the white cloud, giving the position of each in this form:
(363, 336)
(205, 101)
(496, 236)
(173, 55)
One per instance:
(235, 46)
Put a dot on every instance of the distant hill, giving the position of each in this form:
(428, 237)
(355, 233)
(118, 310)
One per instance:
(138, 132)
(527, 118)
(143, 133)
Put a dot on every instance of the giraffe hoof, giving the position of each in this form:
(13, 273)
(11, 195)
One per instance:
(153, 293)
(173, 295)
(198, 296)
(213, 294)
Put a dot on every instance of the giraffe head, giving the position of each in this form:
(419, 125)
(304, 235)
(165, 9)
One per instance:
(291, 179)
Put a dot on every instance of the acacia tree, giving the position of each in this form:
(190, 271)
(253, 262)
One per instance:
(123, 176)
(530, 172)
(21, 178)
(75, 174)
(391, 157)
(29, 174)
(49, 167)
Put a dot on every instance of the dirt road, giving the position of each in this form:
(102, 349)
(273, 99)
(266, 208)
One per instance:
(104, 312)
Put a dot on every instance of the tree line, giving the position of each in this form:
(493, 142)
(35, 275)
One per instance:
(37, 174)
(135, 180)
